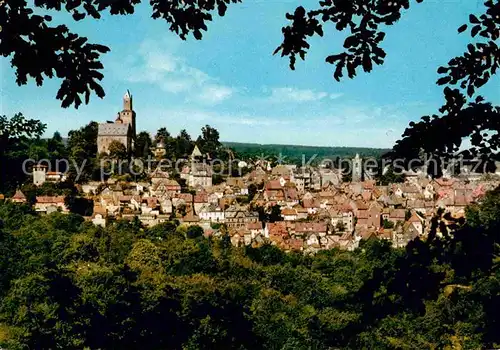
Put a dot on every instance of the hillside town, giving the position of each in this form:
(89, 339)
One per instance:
(307, 208)
(313, 208)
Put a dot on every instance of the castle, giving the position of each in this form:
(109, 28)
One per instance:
(121, 130)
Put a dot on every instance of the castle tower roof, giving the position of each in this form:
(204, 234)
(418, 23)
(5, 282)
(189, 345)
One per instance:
(19, 195)
(196, 152)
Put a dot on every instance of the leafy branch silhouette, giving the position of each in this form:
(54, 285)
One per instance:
(436, 135)
(38, 51)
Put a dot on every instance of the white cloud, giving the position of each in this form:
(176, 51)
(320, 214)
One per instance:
(213, 94)
(335, 96)
(288, 94)
(156, 63)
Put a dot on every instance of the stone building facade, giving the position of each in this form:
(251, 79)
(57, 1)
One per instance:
(122, 129)
(357, 169)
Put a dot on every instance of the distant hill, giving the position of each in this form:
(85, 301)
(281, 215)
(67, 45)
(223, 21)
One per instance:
(294, 153)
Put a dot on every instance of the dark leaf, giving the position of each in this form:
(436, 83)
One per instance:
(462, 28)
(442, 70)
(473, 19)
(470, 90)
(197, 34)
(443, 80)
(367, 63)
(222, 7)
(475, 30)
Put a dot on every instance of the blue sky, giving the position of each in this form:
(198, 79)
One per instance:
(231, 81)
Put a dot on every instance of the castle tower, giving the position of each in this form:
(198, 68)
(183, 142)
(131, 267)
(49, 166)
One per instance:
(357, 171)
(127, 101)
(39, 174)
(127, 115)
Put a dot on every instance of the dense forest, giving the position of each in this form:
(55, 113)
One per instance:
(66, 284)
(295, 154)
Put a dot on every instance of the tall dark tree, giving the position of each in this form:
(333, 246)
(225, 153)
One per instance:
(208, 141)
(82, 151)
(162, 134)
(183, 144)
(83, 141)
(14, 132)
(57, 149)
(275, 214)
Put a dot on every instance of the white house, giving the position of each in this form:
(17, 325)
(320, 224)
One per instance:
(212, 213)
(99, 220)
(289, 214)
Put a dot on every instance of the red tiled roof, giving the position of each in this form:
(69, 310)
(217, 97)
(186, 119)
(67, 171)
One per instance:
(362, 214)
(300, 209)
(445, 182)
(201, 198)
(410, 189)
(188, 197)
(273, 185)
(277, 229)
(361, 205)
(414, 218)
(291, 194)
(124, 198)
(191, 218)
(288, 211)
(397, 214)
(310, 203)
(369, 185)
(160, 174)
(310, 227)
(254, 226)
(367, 195)
(152, 202)
(295, 243)
(172, 183)
(19, 195)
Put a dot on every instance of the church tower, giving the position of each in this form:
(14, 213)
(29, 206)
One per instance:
(127, 115)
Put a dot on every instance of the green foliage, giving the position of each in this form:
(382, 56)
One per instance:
(295, 154)
(117, 150)
(208, 141)
(66, 283)
(19, 137)
(79, 205)
(275, 214)
(387, 224)
(194, 231)
(143, 143)
(183, 144)
(82, 151)
(389, 177)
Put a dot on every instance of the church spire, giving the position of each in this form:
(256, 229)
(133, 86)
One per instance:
(127, 101)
